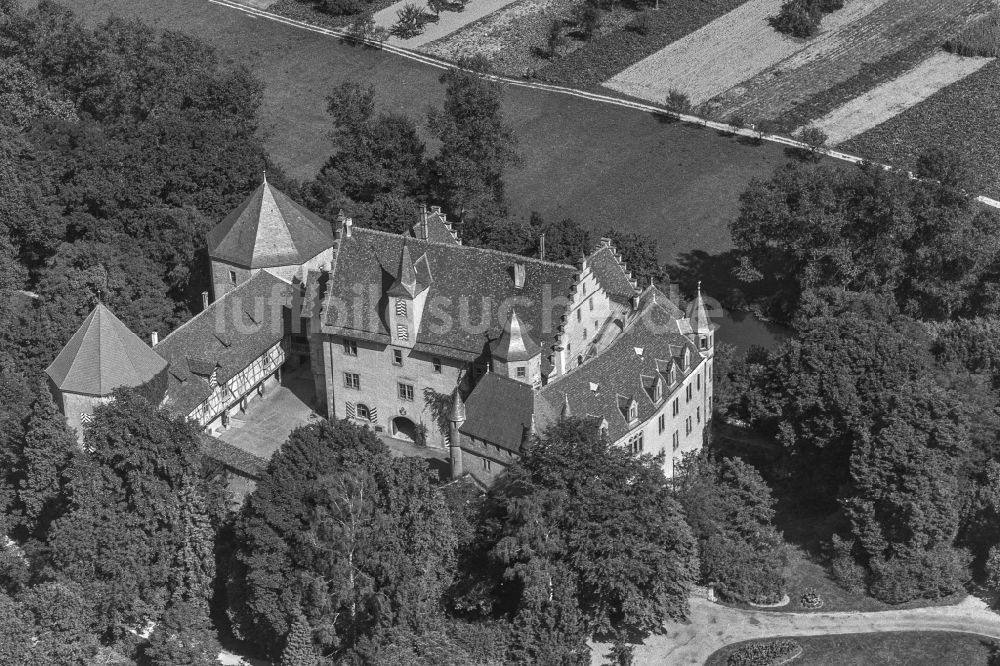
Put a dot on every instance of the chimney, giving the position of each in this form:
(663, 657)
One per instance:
(154, 338)
(635, 301)
(541, 246)
(204, 300)
(423, 223)
(519, 275)
(348, 224)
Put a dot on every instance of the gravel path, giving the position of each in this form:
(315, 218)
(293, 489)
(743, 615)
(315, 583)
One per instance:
(448, 22)
(714, 626)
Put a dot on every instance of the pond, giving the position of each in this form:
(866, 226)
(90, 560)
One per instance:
(743, 330)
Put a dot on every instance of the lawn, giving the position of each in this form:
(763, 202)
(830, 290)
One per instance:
(963, 116)
(885, 649)
(602, 165)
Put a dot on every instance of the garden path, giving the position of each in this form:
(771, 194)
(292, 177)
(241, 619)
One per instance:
(448, 21)
(713, 626)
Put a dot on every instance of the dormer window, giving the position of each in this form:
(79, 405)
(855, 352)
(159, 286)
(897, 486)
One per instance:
(658, 390)
(673, 374)
(686, 359)
(704, 341)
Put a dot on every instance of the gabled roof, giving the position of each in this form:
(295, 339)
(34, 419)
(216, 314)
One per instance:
(269, 229)
(224, 338)
(606, 383)
(612, 274)
(465, 281)
(435, 227)
(103, 355)
(499, 411)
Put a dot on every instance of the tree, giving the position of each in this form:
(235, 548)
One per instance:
(588, 19)
(183, 637)
(678, 102)
(358, 540)
(299, 649)
(137, 535)
(552, 525)
(62, 619)
(815, 138)
(477, 146)
(730, 510)
(437, 5)
(409, 21)
(362, 27)
(639, 253)
(555, 39)
(565, 241)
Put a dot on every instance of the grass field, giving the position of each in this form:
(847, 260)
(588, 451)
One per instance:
(964, 116)
(602, 165)
(885, 649)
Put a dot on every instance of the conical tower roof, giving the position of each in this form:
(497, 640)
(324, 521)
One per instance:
(269, 229)
(457, 406)
(406, 276)
(514, 344)
(697, 314)
(103, 355)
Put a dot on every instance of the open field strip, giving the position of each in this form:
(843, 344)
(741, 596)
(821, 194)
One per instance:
(448, 22)
(893, 27)
(892, 98)
(572, 92)
(728, 51)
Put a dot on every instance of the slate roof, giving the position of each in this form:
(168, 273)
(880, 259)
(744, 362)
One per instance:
(621, 373)
(233, 457)
(103, 355)
(229, 335)
(366, 266)
(438, 229)
(269, 229)
(499, 411)
(611, 274)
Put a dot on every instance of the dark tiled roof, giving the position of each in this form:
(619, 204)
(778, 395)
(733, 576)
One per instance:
(103, 355)
(439, 230)
(611, 275)
(621, 373)
(366, 265)
(499, 411)
(232, 457)
(230, 334)
(269, 229)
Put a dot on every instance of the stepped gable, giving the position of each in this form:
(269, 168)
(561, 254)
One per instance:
(367, 265)
(649, 345)
(104, 355)
(612, 273)
(499, 411)
(433, 225)
(269, 229)
(225, 338)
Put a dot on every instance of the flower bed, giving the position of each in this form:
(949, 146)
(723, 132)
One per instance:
(604, 57)
(765, 653)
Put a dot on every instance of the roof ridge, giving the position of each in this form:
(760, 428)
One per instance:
(121, 343)
(225, 296)
(518, 257)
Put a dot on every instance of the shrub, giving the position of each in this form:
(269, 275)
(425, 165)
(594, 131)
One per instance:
(678, 102)
(588, 19)
(409, 21)
(340, 7)
(763, 127)
(813, 137)
(737, 120)
(762, 653)
(362, 27)
(981, 38)
(642, 23)
(556, 39)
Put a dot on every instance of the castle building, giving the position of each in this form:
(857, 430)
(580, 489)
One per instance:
(417, 336)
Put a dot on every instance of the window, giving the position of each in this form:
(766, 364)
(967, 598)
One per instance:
(591, 301)
(663, 423)
(688, 393)
(579, 315)
(677, 440)
(405, 391)
(635, 444)
(708, 373)
(486, 464)
(402, 333)
(687, 424)
(480, 371)
(677, 406)
(362, 412)
(698, 380)
(658, 390)
(698, 414)
(232, 277)
(400, 307)
(584, 332)
(520, 372)
(633, 411)
(351, 347)
(437, 364)
(397, 357)
(352, 380)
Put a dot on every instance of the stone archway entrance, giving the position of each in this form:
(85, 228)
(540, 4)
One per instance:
(404, 428)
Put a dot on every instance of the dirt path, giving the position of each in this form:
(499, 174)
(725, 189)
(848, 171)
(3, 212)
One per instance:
(448, 22)
(892, 98)
(713, 626)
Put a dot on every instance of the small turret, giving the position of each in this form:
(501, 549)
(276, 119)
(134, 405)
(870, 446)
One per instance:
(457, 418)
(702, 328)
(515, 354)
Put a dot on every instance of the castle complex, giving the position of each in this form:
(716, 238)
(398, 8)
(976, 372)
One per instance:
(415, 335)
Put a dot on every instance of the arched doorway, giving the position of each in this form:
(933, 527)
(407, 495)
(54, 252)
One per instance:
(404, 428)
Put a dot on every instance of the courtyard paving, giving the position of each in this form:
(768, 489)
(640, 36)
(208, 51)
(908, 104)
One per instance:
(269, 420)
